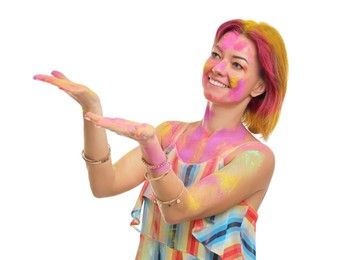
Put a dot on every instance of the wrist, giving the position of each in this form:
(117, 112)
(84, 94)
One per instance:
(95, 108)
(152, 151)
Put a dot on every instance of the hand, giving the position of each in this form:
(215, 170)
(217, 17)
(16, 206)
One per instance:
(82, 94)
(136, 131)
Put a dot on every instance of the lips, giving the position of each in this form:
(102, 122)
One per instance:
(217, 83)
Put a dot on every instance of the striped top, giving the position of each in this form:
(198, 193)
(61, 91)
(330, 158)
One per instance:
(228, 235)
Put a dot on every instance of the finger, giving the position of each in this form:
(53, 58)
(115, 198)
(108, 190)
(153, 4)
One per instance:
(139, 132)
(62, 84)
(48, 79)
(59, 75)
(145, 130)
(117, 125)
(45, 78)
(93, 117)
(122, 127)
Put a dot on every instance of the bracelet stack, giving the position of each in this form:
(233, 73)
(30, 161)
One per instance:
(156, 178)
(155, 167)
(96, 162)
(176, 200)
(160, 203)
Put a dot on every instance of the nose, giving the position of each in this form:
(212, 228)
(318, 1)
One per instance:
(220, 68)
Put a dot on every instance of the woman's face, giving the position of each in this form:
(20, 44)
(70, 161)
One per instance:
(232, 72)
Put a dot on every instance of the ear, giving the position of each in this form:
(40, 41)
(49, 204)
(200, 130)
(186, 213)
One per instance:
(259, 89)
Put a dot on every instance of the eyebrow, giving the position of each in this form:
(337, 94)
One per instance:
(239, 57)
(234, 56)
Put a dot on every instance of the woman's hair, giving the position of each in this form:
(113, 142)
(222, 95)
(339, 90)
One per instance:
(263, 111)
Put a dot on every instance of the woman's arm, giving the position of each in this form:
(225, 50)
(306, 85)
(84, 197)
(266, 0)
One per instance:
(105, 179)
(129, 171)
(249, 172)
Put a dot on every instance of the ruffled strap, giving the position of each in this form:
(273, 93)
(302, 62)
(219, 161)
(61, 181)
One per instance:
(137, 209)
(230, 234)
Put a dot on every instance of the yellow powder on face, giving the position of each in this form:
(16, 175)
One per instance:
(233, 82)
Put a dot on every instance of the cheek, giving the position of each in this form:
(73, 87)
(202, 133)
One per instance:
(238, 89)
(206, 67)
(234, 82)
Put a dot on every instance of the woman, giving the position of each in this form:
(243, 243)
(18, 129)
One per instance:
(203, 181)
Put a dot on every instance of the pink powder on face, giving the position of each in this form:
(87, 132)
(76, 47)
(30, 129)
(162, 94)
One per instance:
(238, 90)
(228, 40)
(209, 64)
(240, 46)
(221, 65)
(237, 42)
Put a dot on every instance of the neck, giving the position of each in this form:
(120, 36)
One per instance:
(217, 118)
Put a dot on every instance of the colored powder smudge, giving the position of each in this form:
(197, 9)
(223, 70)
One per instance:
(227, 182)
(253, 159)
(208, 113)
(166, 128)
(233, 82)
(240, 46)
(228, 40)
(192, 203)
(238, 90)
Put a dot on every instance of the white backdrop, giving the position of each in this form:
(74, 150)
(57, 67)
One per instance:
(144, 59)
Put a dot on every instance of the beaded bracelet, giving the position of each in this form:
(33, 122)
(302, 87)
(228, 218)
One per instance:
(95, 162)
(176, 200)
(159, 177)
(154, 166)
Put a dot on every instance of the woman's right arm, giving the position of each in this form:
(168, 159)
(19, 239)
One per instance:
(105, 179)
(109, 179)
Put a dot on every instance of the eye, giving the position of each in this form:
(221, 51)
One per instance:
(237, 66)
(215, 55)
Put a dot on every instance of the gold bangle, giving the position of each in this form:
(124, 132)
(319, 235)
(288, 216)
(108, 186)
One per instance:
(95, 162)
(154, 166)
(159, 177)
(176, 200)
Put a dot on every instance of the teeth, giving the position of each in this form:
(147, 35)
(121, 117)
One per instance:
(218, 84)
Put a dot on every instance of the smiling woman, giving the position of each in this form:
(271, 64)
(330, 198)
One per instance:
(203, 181)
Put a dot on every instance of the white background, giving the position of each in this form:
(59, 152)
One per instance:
(144, 59)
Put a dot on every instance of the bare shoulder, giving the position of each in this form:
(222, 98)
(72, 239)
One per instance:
(166, 130)
(260, 148)
(255, 156)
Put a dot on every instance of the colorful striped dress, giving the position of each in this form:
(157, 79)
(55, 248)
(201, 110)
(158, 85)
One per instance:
(228, 235)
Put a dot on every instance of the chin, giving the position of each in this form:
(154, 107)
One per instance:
(211, 97)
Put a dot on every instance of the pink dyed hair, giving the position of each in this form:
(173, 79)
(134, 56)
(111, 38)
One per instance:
(262, 112)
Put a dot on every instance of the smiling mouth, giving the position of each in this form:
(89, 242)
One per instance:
(218, 84)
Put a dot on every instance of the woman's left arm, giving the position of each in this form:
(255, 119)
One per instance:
(249, 171)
